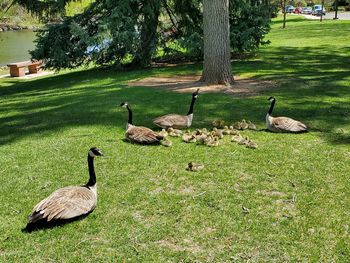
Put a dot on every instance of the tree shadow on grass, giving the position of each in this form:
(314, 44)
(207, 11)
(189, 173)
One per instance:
(312, 91)
(314, 86)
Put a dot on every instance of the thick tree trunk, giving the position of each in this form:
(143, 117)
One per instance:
(147, 48)
(217, 55)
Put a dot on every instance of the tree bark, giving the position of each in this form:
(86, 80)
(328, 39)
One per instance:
(284, 13)
(217, 55)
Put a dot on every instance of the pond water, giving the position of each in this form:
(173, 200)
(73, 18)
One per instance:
(14, 46)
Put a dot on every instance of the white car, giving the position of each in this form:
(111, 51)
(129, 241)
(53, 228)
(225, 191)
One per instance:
(306, 10)
(317, 10)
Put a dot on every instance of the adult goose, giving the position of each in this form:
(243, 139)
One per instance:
(69, 202)
(282, 124)
(175, 120)
(139, 134)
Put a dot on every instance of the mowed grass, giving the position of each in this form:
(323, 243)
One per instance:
(150, 208)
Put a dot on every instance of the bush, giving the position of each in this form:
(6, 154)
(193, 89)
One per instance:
(111, 33)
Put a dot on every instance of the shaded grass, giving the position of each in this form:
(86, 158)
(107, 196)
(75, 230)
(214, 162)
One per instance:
(150, 209)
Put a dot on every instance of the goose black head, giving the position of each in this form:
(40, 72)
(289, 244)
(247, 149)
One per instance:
(271, 98)
(124, 104)
(195, 94)
(94, 151)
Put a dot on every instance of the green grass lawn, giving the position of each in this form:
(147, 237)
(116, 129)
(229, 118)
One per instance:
(297, 187)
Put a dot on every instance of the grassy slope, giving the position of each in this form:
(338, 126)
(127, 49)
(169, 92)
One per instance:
(150, 208)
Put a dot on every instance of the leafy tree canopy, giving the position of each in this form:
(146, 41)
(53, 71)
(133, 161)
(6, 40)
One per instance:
(44, 8)
(133, 32)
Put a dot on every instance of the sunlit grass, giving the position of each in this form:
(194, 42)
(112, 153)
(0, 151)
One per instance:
(150, 208)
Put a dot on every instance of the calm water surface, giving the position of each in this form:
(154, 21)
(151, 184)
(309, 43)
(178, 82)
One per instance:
(14, 46)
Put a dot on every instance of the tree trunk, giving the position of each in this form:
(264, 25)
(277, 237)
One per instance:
(148, 45)
(336, 10)
(284, 13)
(217, 55)
(322, 11)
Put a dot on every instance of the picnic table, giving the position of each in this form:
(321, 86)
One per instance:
(17, 69)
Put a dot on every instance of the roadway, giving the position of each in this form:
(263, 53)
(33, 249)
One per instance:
(330, 15)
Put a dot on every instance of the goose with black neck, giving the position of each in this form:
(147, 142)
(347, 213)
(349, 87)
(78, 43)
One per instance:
(282, 124)
(67, 203)
(175, 120)
(139, 134)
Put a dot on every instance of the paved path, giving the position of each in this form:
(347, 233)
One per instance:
(341, 16)
(330, 15)
(29, 76)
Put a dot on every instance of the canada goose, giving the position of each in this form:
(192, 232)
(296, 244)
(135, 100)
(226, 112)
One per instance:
(251, 126)
(203, 131)
(68, 202)
(194, 167)
(175, 120)
(174, 132)
(244, 124)
(167, 143)
(201, 139)
(237, 125)
(139, 134)
(243, 141)
(217, 133)
(233, 131)
(238, 138)
(218, 123)
(282, 124)
(226, 131)
(241, 125)
(251, 144)
(212, 141)
(163, 133)
(188, 137)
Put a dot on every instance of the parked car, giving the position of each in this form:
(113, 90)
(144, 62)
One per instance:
(290, 9)
(317, 10)
(306, 10)
(298, 10)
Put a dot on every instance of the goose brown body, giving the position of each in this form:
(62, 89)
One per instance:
(68, 202)
(142, 135)
(283, 124)
(139, 134)
(65, 203)
(175, 120)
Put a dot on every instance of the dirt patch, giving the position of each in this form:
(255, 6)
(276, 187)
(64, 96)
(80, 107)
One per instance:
(186, 190)
(189, 83)
(188, 246)
(271, 193)
(156, 191)
(29, 76)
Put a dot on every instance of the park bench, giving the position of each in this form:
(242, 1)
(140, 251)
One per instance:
(18, 69)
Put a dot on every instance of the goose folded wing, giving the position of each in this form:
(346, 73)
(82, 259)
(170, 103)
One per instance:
(289, 124)
(143, 135)
(65, 203)
(171, 120)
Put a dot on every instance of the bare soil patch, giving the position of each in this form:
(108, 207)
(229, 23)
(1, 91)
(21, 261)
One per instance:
(189, 83)
(29, 76)
(188, 246)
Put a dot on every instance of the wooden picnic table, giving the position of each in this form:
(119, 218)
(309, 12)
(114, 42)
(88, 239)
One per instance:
(17, 69)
